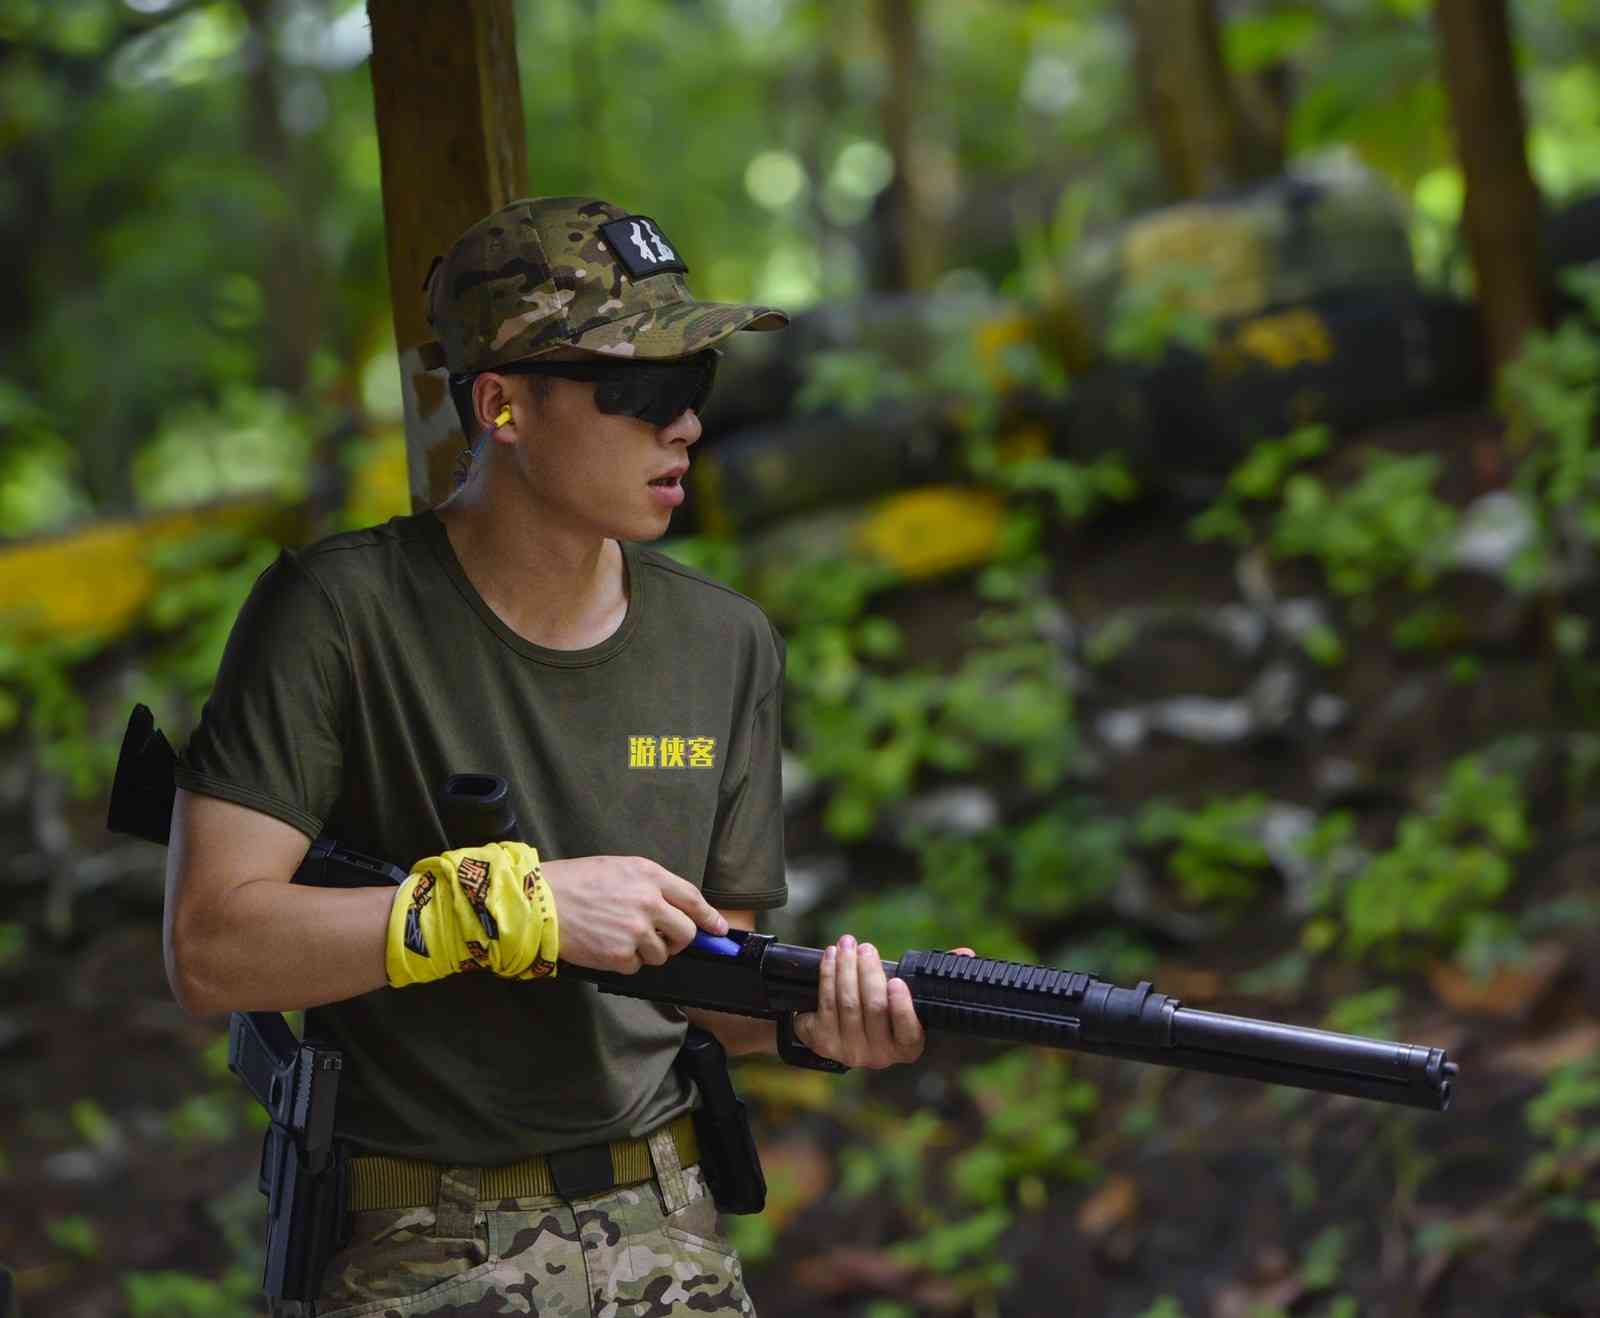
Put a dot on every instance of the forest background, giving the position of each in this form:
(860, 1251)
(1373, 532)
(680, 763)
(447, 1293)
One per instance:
(1199, 590)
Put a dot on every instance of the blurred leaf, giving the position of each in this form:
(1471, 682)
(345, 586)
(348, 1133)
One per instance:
(93, 1125)
(76, 1234)
(947, 1247)
(1284, 975)
(1370, 1013)
(854, 382)
(1252, 42)
(184, 1295)
(251, 443)
(205, 1119)
(1324, 1258)
(13, 945)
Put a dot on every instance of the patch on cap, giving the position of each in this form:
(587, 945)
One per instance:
(640, 247)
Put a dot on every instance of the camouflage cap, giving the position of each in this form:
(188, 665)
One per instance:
(569, 272)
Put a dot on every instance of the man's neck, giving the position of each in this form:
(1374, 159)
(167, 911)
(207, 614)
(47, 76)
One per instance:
(556, 587)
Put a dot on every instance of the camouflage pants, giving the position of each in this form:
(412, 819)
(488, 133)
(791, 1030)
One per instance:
(644, 1251)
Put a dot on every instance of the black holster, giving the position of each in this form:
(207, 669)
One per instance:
(728, 1154)
(302, 1165)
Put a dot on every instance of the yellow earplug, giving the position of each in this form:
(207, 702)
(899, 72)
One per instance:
(504, 418)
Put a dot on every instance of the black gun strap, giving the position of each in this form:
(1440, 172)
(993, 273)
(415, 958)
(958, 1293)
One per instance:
(795, 1053)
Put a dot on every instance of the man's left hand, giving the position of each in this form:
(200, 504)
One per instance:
(863, 1018)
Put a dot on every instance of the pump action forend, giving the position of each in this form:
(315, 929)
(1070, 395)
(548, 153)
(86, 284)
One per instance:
(754, 975)
(751, 974)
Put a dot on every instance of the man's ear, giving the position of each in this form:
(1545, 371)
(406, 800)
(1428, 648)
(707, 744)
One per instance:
(491, 401)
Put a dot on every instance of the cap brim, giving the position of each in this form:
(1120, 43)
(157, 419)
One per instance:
(676, 330)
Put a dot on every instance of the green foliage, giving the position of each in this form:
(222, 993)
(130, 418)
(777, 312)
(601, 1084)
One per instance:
(184, 1295)
(39, 475)
(1446, 1237)
(872, 747)
(211, 1118)
(1322, 645)
(203, 583)
(76, 1234)
(949, 905)
(989, 890)
(1014, 697)
(1029, 1101)
(752, 1235)
(13, 945)
(1562, 1116)
(1371, 1013)
(871, 734)
(1490, 940)
(716, 556)
(1285, 975)
(951, 1246)
(1075, 490)
(854, 382)
(1259, 479)
(1388, 526)
(822, 592)
(1450, 864)
(214, 1057)
(1324, 1258)
(1031, 1109)
(1430, 626)
(897, 1160)
(1333, 853)
(1562, 1113)
(1159, 309)
(1165, 1307)
(1112, 954)
(251, 442)
(1063, 859)
(38, 678)
(1551, 396)
(93, 1125)
(1216, 855)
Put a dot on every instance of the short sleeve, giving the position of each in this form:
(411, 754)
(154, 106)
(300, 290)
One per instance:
(270, 736)
(745, 870)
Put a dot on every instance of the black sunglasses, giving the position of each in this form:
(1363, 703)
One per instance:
(655, 391)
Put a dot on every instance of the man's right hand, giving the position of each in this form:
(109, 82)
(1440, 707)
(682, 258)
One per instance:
(621, 912)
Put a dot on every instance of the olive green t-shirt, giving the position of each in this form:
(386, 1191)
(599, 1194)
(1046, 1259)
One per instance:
(366, 669)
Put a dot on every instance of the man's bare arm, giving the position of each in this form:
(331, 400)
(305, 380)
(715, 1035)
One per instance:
(239, 937)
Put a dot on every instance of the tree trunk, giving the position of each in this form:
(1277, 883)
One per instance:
(451, 143)
(1501, 212)
(291, 278)
(908, 209)
(1190, 107)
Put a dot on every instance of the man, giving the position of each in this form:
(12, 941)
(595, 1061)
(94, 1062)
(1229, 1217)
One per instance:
(633, 706)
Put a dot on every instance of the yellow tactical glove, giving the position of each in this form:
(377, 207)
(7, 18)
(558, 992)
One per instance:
(477, 908)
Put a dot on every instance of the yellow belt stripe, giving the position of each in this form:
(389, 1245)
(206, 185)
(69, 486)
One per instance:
(378, 1181)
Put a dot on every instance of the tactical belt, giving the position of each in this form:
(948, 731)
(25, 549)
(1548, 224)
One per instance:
(376, 1181)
